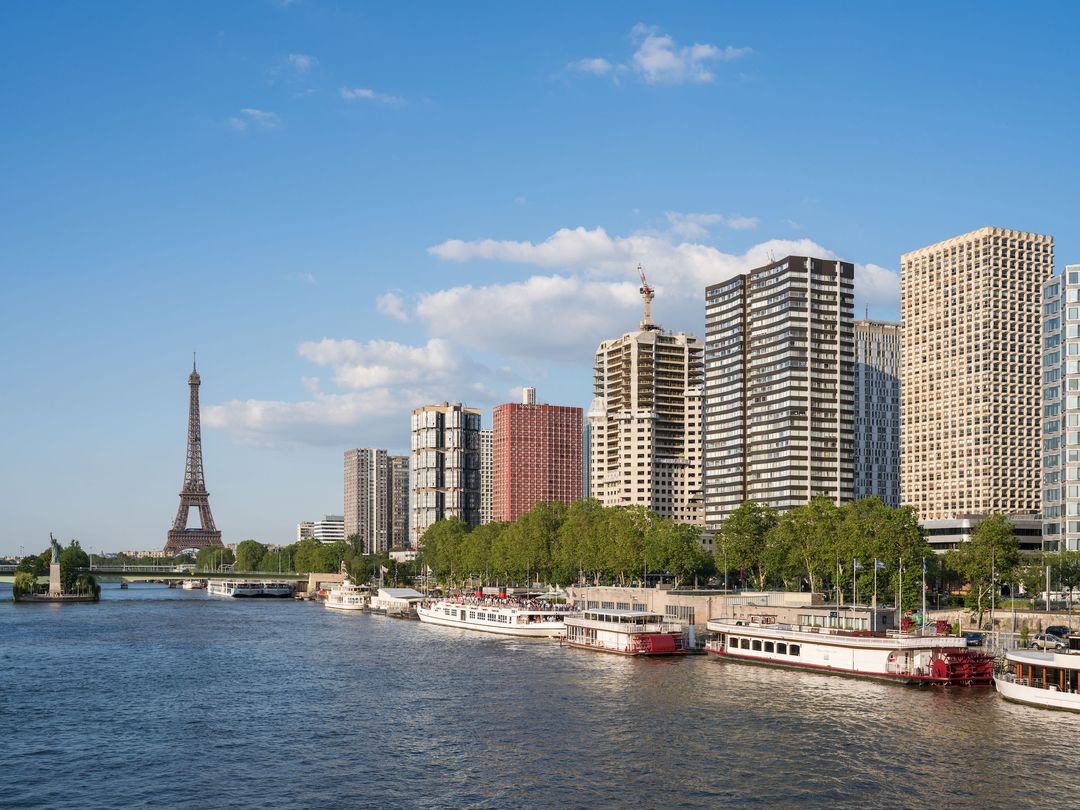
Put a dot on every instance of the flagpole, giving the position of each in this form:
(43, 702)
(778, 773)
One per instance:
(923, 596)
(873, 614)
(900, 598)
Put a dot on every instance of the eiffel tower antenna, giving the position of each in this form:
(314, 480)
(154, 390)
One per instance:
(193, 493)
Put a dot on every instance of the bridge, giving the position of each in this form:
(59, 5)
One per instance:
(145, 573)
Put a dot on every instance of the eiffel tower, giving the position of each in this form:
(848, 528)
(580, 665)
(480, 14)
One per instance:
(194, 491)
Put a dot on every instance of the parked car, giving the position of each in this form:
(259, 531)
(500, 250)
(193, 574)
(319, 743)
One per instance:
(974, 638)
(1059, 630)
(1045, 641)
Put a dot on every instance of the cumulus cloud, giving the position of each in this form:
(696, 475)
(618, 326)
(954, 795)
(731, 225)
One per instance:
(658, 59)
(367, 94)
(379, 383)
(564, 316)
(596, 66)
(252, 117)
(392, 305)
(696, 226)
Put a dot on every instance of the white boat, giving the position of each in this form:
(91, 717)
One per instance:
(347, 596)
(835, 640)
(194, 584)
(244, 588)
(1038, 678)
(507, 617)
(626, 632)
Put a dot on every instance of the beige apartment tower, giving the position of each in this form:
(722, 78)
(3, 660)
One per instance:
(444, 467)
(645, 421)
(970, 346)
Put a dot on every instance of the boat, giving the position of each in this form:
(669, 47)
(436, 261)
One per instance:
(1050, 679)
(506, 616)
(626, 632)
(194, 584)
(845, 641)
(347, 596)
(243, 588)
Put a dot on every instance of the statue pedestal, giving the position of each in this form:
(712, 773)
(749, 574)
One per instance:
(54, 580)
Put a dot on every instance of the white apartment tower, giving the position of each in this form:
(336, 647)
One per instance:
(487, 473)
(399, 502)
(877, 411)
(970, 354)
(779, 387)
(1061, 411)
(367, 498)
(444, 467)
(645, 421)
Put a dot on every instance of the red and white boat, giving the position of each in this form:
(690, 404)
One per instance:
(626, 632)
(801, 640)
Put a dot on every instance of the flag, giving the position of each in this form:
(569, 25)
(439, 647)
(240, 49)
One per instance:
(878, 564)
(857, 564)
(383, 569)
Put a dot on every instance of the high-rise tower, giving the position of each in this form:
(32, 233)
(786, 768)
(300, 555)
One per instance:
(193, 493)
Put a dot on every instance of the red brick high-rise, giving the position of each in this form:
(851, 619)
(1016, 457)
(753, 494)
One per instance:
(536, 456)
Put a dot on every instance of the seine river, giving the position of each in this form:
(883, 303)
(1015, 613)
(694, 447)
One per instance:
(158, 697)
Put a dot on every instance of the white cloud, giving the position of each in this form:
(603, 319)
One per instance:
(307, 278)
(596, 66)
(696, 226)
(380, 382)
(392, 305)
(301, 62)
(249, 116)
(658, 60)
(367, 94)
(563, 317)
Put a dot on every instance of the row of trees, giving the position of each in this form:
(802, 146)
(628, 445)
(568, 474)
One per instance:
(306, 556)
(556, 542)
(820, 546)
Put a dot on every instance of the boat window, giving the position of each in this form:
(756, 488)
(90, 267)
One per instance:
(782, 649)
(757, 645)
(768, 646)
(793, 649)
(472, 614)
(744, 643)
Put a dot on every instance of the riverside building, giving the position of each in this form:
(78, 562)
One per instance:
(444, 467)
(877, 411)
(645, 421)
(487, 475)
(537, 455)
(331, 529)
(399, 502)
(367, 498)
(970, 355)
(779, 386)
(1061, 411)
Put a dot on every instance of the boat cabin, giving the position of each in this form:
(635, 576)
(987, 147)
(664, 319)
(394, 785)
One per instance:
(855, 618)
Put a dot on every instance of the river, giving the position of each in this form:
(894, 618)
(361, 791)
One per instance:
(158, 697)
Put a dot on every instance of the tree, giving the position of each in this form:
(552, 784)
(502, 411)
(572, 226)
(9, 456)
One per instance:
(211, 558)
(25, 583)
(248, 555)
(991, 556)
(440, 546)
(581, 542)
(71, 559)
(1068, 564)
(741, 542)
(35, 564)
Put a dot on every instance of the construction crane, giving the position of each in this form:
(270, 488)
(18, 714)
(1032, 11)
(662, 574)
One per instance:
(647, 294)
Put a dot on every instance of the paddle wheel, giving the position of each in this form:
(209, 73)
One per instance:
(958, 666)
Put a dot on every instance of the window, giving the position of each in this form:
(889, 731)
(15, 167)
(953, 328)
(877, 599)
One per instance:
(744, 643)
(757, 645)
(768, 646)
(793, 649)
(781, 648)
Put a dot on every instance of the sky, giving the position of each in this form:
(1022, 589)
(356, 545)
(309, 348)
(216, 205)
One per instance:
(350, 210)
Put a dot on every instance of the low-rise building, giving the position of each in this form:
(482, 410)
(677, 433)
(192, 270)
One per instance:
(948, 533)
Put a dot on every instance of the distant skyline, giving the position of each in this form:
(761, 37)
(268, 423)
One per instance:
(351, 211)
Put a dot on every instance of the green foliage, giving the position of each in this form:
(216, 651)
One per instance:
(312, 555)
(559, 543)
(249, 554)
(741, 543)
(209, 559)
(72, 558)
(36, 564)
(993, 548)
(25, 583)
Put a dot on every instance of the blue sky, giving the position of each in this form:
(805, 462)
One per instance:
(351, 209)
